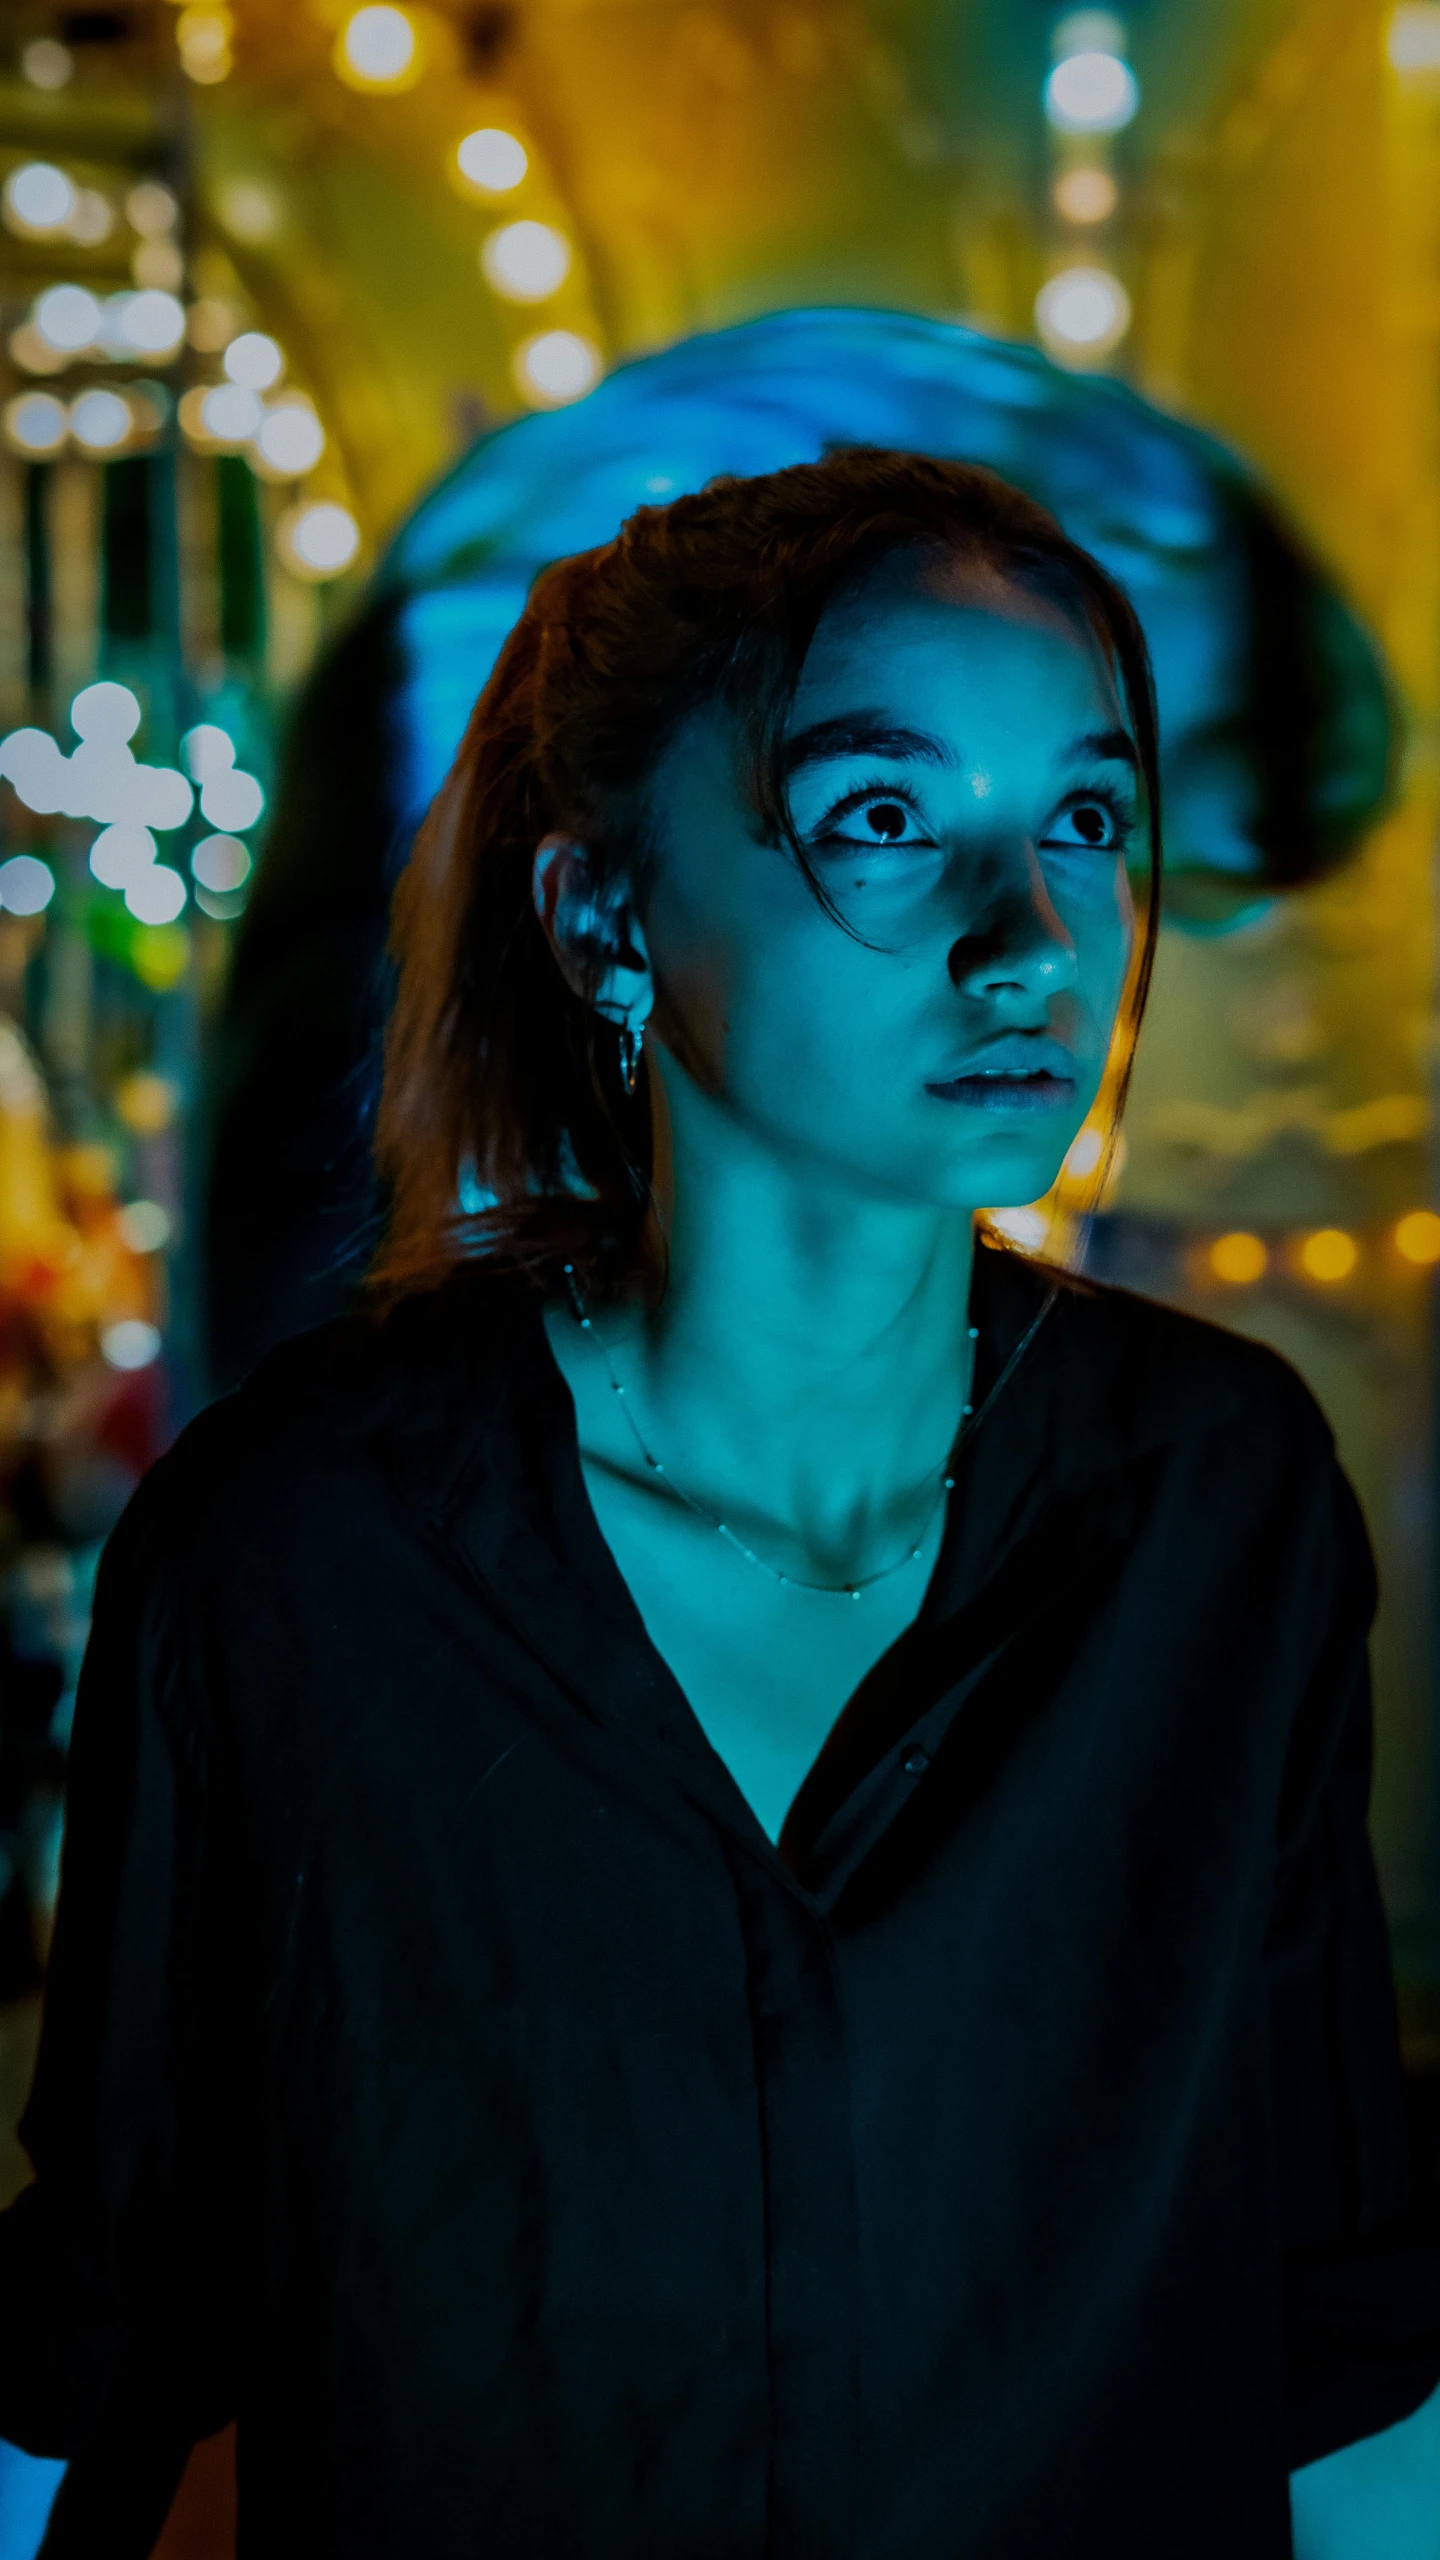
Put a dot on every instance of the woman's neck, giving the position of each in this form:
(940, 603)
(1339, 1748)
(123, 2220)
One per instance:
(811, 1346)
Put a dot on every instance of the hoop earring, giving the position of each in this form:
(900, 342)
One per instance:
(632, 1045)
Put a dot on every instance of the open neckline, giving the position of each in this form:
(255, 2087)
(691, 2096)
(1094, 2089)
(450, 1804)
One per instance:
(608, 1579)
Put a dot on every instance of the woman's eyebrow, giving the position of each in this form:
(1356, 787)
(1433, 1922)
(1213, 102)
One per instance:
(867, 733)
(1113, 745)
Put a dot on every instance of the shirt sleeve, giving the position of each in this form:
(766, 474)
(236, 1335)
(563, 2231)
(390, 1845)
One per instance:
(1359, 2237)
(117, 2261)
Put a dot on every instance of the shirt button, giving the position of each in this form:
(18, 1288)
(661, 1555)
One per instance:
(915, 1763)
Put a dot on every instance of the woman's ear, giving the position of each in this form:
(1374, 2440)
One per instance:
(595, 934)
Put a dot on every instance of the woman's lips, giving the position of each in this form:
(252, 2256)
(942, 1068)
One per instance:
(1007, 1090)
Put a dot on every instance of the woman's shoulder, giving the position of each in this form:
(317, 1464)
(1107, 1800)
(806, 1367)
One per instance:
(1179, 1372)
(315, 1417)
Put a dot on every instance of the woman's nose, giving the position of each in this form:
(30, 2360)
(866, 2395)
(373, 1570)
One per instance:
(1018, 945)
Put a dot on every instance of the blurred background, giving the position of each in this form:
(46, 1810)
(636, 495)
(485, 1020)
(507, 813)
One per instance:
(321, 327)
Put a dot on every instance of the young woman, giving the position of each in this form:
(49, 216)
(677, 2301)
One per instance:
(716, 1904)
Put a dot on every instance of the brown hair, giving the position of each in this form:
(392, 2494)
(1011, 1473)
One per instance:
(504, 1128)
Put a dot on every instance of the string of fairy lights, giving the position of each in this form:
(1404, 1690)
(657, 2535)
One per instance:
(1235, 1260)
(382, 50)
(1090, 96)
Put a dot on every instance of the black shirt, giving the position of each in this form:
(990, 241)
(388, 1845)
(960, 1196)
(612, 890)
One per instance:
(443, 2072)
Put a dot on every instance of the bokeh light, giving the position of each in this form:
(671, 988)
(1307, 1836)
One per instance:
(146, 1102)
(1329, 1254)
(1412, 39)
(32, 353)
(152, 322)
(228, 414)
(119, 854)
(492, 160)
(152, 209)
(131, 1344)
(36, 422)
(146, 1226)
(68, 317)
(1417, 1236)
(210, 324)
(318, 541)
(377, 49)
(1082, 311)
(253, 360)
(249, 210)
(159, 263)
(221, 863)
(92, 219)
(100, 421)
(203, 38)
(1238, 1258)
(207, 750)
(556, 367)
(289, 439)
(37, 198)
(27, 885)
(156, 894)
(1091, 92)
(525, 261)
(47, 64)
(230, 800)
(105, 713)
(1086, 195)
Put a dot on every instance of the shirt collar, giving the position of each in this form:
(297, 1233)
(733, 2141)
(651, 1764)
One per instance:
(477, 1432)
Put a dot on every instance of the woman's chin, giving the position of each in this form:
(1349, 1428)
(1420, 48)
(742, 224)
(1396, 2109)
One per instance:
(1009, 1176)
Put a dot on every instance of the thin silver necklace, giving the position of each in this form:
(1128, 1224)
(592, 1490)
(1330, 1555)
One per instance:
(833, 1590)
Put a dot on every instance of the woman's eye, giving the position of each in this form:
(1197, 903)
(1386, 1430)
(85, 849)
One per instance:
(1091, 823)
(879, 821)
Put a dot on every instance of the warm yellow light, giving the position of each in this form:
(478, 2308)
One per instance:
(211, 324)
(190, 410)
(93, 219)
(1085, 1153)
(47, 64)
(525, 261)
(1412, 39)
(377, 49)
(146, 1102)
(152, 209)
(492, 159)
(34, 354)
(1238, 1258)
(158, 262)
(1329, 1254)
(1417, 1236)
(1086, 195)
(203, 36)
(248, 211)
(1027, 1227)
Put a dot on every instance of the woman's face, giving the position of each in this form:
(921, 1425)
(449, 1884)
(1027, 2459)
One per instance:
(963, 779)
